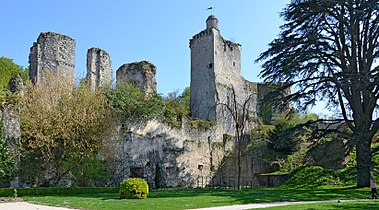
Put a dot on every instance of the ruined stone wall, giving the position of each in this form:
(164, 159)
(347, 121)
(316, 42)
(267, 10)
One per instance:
(10, 119)
(141, 74)
(99, 68)
(52, 52)
(228, 75)
(181, 155)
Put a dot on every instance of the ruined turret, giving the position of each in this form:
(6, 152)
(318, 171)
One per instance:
(142, 74)
(52, 52)
(99, 68)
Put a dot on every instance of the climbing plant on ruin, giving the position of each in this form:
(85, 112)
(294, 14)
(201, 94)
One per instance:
(7, 163)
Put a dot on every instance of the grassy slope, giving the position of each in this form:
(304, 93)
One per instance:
(198, 198)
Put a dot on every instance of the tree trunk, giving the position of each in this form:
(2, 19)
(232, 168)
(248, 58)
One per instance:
(239, 164)
(364, 164)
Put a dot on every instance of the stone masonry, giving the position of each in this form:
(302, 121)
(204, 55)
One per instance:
(191, 156)
(215, 70)
(99, 69)
(148, 149)
(141, 74)
(11, 123)
(52, 52)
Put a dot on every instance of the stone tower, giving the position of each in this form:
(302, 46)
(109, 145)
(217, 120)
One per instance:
(141, 74)
(52, 52)
(99, 68)
(215, 68)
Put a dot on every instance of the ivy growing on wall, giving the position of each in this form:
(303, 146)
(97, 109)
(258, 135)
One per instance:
(7, 163)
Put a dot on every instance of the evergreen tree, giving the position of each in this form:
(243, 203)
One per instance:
(328, 49)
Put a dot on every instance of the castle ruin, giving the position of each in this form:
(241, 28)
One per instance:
(99, 68)
(215, 70)
(141, 74)
(54, 53)
(187, 155)
(147, 149)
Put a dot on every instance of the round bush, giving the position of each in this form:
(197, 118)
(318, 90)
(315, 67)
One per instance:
(135, 188)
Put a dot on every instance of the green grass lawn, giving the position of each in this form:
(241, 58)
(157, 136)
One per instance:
(366, 205)
(199, 198)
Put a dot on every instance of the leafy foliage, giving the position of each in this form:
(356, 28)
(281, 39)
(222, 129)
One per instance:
(7, 162)
(130, 103)
(7, 70)
(60, 123)
(328, 50)
(134, 188)
(282, 139)
(177, 107)
(292, 162)
(349, 174)
(90, 171)
(286, 135)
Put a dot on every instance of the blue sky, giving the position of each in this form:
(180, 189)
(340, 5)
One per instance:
(157, 31)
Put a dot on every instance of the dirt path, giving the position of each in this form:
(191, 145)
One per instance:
(27, 206)
(265, 205)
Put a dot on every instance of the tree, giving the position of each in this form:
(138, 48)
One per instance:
(131, 103)
(7, 70)
(289, 131)
(240, 116)
(328, 50)
(176, 107)
(61, 124)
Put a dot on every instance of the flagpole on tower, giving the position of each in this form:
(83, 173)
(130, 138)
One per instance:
(211, 9)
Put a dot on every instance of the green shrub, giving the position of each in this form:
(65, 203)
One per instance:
(176, 107)
(312, 176)
(131, 103)
(134, 188)
(6, 192)
(202, 124)
(292, 162)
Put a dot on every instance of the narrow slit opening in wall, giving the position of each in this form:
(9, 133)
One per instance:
(210, 65)
(234, 63)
